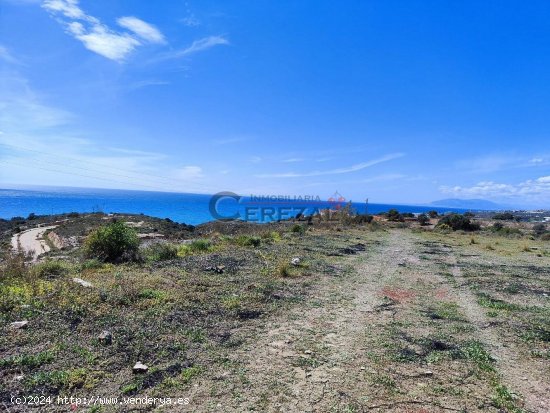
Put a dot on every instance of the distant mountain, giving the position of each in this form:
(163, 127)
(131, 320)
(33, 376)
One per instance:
(469, 204)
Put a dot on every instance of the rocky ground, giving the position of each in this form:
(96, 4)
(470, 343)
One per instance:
(325, 319)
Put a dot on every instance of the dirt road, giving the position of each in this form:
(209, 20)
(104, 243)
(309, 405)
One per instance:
(397, 329)
(31, 241)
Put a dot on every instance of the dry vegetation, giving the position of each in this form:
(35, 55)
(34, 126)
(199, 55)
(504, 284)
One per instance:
(371, 317)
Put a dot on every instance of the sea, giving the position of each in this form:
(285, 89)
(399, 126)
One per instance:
(185, 208)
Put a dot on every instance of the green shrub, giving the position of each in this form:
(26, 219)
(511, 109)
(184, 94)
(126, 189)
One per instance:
(284, 270)
(499, 228)
(362, 219)
(160, 251)
(114, 242)
(433, 214)
(423, 219)
(298, 229)
(149, 293)
(13, 266)
(458, 222)
(51, 268)
(248, 241)
(195, 246)
(444, 227)
(539, 229)
(394, 215)
(91, 264)
(504, 216)
(272, 236)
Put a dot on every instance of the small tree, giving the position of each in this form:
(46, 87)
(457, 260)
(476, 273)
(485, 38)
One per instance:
(539, 229)
(423, 219)
(458, 222)
(433, 214)
(114, 242)
(394, 215)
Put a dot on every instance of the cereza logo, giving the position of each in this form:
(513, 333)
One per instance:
(336, 201)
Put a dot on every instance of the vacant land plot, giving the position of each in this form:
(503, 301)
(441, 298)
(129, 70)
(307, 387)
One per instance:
(366, 320)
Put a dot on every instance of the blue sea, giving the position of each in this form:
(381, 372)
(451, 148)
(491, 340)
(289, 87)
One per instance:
(180, 207)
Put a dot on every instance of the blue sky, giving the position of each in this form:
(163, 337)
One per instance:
(398, 101)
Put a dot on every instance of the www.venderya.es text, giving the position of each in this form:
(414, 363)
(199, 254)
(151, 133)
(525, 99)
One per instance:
(99, 401)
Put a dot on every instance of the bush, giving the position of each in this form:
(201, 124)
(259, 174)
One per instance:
(272, 236)
(195, 246)
(499, 228)
(284, 270)
(160, 251)
(13, 266)
(362, 219)
(539, 229)
(298, 229)
(248, 241)
(444, 228)
(433, 214)
(394, 215)
(92, 264)
(114, 242)
(51, 268)
(504, 216)
(423, 219)
(458, 222)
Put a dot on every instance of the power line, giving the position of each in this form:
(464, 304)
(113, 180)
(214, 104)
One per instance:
(136, 176)
(76, 174)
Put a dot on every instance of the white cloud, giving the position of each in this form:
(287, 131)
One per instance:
(98, 37)
(6, 56)
(101, 40)
(146, 83)
(69, 8)
(39, 145)
(190, 21)
(530, 190)
(22, 110)
(144, 30)
(499, 162)
(292, 160)
(200, 45)
(189, 173)
(353, 168)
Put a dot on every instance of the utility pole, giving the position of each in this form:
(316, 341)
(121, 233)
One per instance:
(367, 206)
